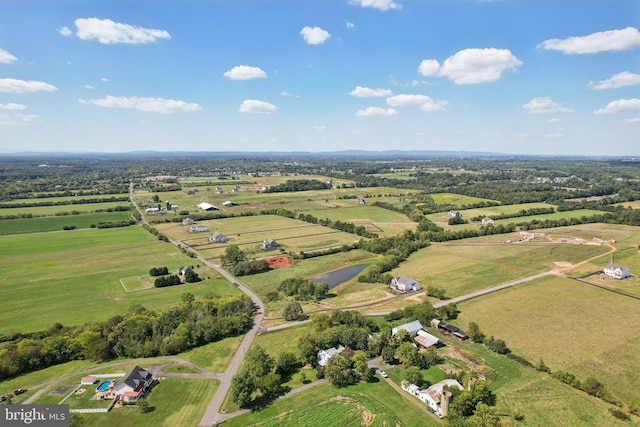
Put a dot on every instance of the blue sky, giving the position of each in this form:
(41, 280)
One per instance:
(510, 76)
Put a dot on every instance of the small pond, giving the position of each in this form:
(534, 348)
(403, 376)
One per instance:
(334, 278)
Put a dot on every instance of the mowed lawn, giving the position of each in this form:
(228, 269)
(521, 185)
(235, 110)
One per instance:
(73, 277)
(461, 268)
(52, 210)
(455, 199)
(56, 223)
(571, 325)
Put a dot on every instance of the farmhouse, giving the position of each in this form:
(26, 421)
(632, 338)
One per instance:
(454, 214)
(617, 271)
(197, 229)
(437, 399)
(412, 328)
(188, 221)
(361, 202)
(325, 355)
(217, 238)
(133, 385)
(269, 244)
(487, 221)
(207, 207)
(403, 283)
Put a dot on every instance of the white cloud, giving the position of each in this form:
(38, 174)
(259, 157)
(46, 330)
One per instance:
(620, 106)
(634, 121)
(429, 67)
(106, 31)
(365, 92)
(245, 72)
(12, 106)
(554, 120)
(154, 105)
(625, 39)
(65, 31)
(257, 106)
(376, 111)
(24, 86)
(285, 93)
(423, 102)
(554, 135)
(88, 87)
(616, 81)
(6, 57)
(383, 5)
(17, 119)
(314, 35)
(349, 25)
(545, 105)
(319, 128)
(471, 66)
(104, 79)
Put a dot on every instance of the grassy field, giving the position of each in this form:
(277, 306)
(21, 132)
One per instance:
(214, 357)
(63, 199)
(462, 267)
(455, 199)
(361, 214)
(175, 402)
(80, 272)
(55, 223)
(571, 325)
(52, 210)
(283, 340)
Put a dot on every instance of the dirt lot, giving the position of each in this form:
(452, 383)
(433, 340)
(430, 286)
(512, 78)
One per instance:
(279, 261)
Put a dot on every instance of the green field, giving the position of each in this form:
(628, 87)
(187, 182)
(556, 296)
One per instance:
(55, 223)
(73, 277)
(455, 199)
(572, 326)
(361, 214)
(52, 210)
(215, 356)
(461, 268)
(63, 199)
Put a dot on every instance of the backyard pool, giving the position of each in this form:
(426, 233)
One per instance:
(104, 385)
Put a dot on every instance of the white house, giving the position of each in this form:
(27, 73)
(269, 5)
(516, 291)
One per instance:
(188, 221)
(361, 201)
(207, 207)
(217, 238)
(197, 229)
(454, 214)
(617, 271)
(133, 385)
(487, 221)
(269, 244)
(325, 355)
(403, 283)
(437, 399)
(412, 328)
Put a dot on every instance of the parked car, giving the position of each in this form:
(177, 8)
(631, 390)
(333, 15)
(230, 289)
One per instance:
(383, 374)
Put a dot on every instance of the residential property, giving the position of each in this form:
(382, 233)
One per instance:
(325, 355)
(188, 221)
(454, 214)
(617, 271)
(154, 211)
(218, 238)
(197, 229)
(426, 340)
(412, 328)
(133, 385)
(435, 397)
(487, 221)
(403, 283)
(207, 207)
(361, 202)
(236, 188)
(269, 244)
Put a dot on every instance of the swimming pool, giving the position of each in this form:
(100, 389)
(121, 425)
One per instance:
(104, 385)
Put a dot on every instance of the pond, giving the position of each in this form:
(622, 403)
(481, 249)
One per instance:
(334, 278)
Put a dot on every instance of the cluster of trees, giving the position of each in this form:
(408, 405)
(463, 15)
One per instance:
(115, 224)
(139, 333)
(298, 185)
(293, 311)
(158, 271)
(164, 281)
(521, 212)
(472, 406)
(190, 276)
(240, 264)
(347, 368)
(302, 289)
(261, 376)
(496, 345)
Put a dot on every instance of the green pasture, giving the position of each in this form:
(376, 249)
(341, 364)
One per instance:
(488, 211)
(55, 223)
(52, 210)
(73, 277)
(627, 256)
(63, 199)
(455, 199)
(175, 402)
(277, 342)
(401, 176)
(635, 204)
(360, 214)
(463, 267)
(623, 235)
(215, 356)
(571, 325)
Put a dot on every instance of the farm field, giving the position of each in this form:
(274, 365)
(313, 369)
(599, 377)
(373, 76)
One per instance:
(52, 210)
(65, 199)
(73, 277)
(455, 199)
(635, 204)
(463, 267)
(55, 223)
(563, 317)
(361, 214)
(215, 356)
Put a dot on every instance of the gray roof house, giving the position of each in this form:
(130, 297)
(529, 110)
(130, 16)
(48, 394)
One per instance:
(412, 328)
(133, 385)
(325, 355)
(217, 238)
(269, 244)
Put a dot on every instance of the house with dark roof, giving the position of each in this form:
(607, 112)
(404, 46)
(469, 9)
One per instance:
(403, 283)
(617, 271)
(133, 385)
(269, 244)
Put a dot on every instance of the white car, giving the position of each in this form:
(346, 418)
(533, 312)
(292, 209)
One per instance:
(383, 374)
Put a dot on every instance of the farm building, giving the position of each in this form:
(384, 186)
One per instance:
(207, 207)
(269, 244)
(426, 340)
(228, 204)
(197, 229)
(412, 328)
(217, 238)
(325, 355)
(439, 324)
(403, 283)
(487, 221)
(436, 398)
(188, 221)
(454, 214)
(617, 271)
(133, 385)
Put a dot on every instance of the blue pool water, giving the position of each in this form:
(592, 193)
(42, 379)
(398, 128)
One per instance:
(104, 385)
